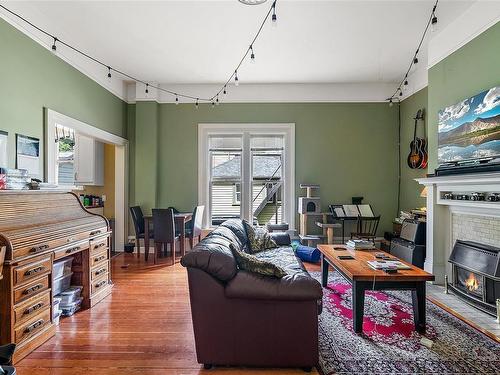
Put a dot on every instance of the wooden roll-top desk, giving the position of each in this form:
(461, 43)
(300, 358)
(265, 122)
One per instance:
(36, 229)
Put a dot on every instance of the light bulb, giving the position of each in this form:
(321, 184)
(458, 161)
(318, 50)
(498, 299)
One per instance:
(225, 90)
(217, 100)
(54, 47)
(196, 104)
(109, 72)
(147, 85)
(390, 103)
(252, 55)
(236, 80)
(434, 22)
(176, 100)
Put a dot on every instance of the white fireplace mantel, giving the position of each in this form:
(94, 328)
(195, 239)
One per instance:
(439, 212)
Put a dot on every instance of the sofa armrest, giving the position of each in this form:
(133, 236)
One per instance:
(298, 287)
(281, 238)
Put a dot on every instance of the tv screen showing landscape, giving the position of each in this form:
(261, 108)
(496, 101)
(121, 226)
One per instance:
(470, 130)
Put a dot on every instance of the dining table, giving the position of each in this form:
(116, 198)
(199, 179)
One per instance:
(180, 219)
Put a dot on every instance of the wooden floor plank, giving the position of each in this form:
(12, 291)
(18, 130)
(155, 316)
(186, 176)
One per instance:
(144, 327)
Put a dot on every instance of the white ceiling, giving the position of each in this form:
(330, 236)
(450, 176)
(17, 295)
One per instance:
(200, 42)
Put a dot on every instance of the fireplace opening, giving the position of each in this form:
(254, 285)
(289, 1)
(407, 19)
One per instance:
(476, 274)
(470, 282)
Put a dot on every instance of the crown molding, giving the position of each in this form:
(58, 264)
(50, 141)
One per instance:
(474, 21)
(272, 93)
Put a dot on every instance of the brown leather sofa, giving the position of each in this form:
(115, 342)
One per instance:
(244, 319)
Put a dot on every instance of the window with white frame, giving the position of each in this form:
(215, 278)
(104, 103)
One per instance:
(247, 171)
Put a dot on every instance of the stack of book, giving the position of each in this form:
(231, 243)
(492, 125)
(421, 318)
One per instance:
(387, 264)
(360, 245)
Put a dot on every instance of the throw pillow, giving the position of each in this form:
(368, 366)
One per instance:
(250, 263)
(258, 238)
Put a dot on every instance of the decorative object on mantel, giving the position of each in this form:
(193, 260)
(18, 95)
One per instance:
(13, 179)
(469, 135)
(389, 344)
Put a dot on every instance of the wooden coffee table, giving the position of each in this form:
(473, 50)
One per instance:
(362, 277)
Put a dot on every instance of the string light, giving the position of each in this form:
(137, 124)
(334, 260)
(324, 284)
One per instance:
(213, 104)
(236, 80)
(434, 20)
(414, 61)
(390, 102)
(176, 100)
(271, 13)
(225, 90)
(274, 19)
(217, 100)
(54, 47)
(196, 104)
(252, 55)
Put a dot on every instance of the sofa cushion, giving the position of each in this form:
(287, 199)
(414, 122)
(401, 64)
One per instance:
(236, 226)
(250, 263)
(227, 233)
(258, 238)
(213, 256)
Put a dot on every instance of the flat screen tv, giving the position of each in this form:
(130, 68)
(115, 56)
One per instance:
(470, 130)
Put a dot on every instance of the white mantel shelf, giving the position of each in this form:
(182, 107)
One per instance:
(439, 212)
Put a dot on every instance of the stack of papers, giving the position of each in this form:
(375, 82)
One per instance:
(360, 245)
(383, 264)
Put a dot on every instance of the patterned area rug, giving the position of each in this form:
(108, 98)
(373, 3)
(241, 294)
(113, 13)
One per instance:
(389, 343)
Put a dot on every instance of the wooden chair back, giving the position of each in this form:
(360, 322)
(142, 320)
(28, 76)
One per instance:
(367, 226)
(2, 258)
(138, 219)
(164, 225)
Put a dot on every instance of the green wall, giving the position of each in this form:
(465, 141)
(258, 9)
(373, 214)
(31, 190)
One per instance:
(410, 189)
(32, 78)
(468, 71)
(350, 149)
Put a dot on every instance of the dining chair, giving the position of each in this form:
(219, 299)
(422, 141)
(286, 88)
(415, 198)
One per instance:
(138, 219)
(194, 227)
(366, 228)
(164, 235)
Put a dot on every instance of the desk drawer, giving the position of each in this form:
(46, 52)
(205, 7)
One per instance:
(31, 308)
(99, 284)
(30, 271)
(99, 270)
(98, 258)
(32, 327)
(71, 249)
(98, 244)
(31, 289)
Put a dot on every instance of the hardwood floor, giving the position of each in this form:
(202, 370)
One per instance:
(144, 326)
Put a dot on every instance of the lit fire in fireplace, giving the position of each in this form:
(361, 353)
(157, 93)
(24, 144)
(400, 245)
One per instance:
(471, 283)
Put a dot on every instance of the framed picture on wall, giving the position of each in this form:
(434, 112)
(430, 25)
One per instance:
(28, 154)
(4, 139)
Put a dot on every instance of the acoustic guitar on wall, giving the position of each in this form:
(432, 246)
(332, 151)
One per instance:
(417, 159)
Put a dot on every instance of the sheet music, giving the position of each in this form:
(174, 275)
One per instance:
(351, 210)
(339, 211)
(365, 210)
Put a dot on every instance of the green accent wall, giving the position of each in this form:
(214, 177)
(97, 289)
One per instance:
(468, 71)
(350, 149)
(410, 189)
(32, 78)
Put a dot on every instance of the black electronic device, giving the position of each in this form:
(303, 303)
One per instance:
(390, 270)
(345, 257)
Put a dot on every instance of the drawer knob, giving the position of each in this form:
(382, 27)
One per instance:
(101, 271)
(34, 326)
(33, 308)
(100, 245)
(98, 259)
(34, 271)
(93, 233)
(33, 289)
(37, 249)
(99, 284)
(70, 250)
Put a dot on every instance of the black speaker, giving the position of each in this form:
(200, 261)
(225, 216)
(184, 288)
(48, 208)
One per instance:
(413, 231)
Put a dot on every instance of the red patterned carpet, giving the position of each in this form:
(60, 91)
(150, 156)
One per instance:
(389, 343)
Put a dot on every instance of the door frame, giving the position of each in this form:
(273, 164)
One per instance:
(285, 129)
(121, 165)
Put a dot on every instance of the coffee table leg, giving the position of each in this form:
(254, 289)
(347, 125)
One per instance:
(324, 271)
(418, 299)
(358, 306)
